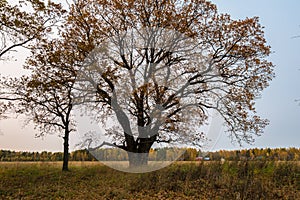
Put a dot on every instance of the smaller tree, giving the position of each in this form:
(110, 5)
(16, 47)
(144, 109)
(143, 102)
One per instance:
(45, 96)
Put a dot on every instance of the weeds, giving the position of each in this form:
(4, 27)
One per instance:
(204, 180)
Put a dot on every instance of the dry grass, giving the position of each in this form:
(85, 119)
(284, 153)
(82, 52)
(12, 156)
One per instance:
(196, 180)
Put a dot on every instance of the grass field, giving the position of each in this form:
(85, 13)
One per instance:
(206, 180)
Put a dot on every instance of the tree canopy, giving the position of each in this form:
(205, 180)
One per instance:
(157, 69)
(24, 22)
(45, 101)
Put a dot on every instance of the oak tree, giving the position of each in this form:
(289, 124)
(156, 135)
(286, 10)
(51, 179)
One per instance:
(157, 68)
(45, 96)
(29, 23)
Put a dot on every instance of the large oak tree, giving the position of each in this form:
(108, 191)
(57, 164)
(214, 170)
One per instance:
(159, 67)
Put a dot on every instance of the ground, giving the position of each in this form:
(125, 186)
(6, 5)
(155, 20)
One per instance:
(191, 180)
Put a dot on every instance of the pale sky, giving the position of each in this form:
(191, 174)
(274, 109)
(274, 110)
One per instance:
(281, 20)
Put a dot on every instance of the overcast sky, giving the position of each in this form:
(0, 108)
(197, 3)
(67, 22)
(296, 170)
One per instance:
(281, 20)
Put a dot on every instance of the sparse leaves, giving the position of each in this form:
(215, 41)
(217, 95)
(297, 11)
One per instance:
(157, 68)
(182, 56)
(25, 22)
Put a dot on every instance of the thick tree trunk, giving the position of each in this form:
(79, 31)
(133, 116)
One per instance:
(66, 151)
(140, 156)
(138, 159)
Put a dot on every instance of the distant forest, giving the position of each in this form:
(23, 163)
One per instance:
(190, 154)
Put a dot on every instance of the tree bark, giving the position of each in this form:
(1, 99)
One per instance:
(66, 151)
(139, 157)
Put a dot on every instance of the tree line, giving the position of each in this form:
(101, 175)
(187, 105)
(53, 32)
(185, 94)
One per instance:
(160, 154)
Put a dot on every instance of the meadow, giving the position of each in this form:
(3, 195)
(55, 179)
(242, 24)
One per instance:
(181, 180)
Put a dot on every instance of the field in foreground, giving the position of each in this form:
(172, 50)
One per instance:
(208, 180)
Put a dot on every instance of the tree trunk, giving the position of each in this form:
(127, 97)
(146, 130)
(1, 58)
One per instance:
(138, 159)
(140, 156)
(66, 151)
